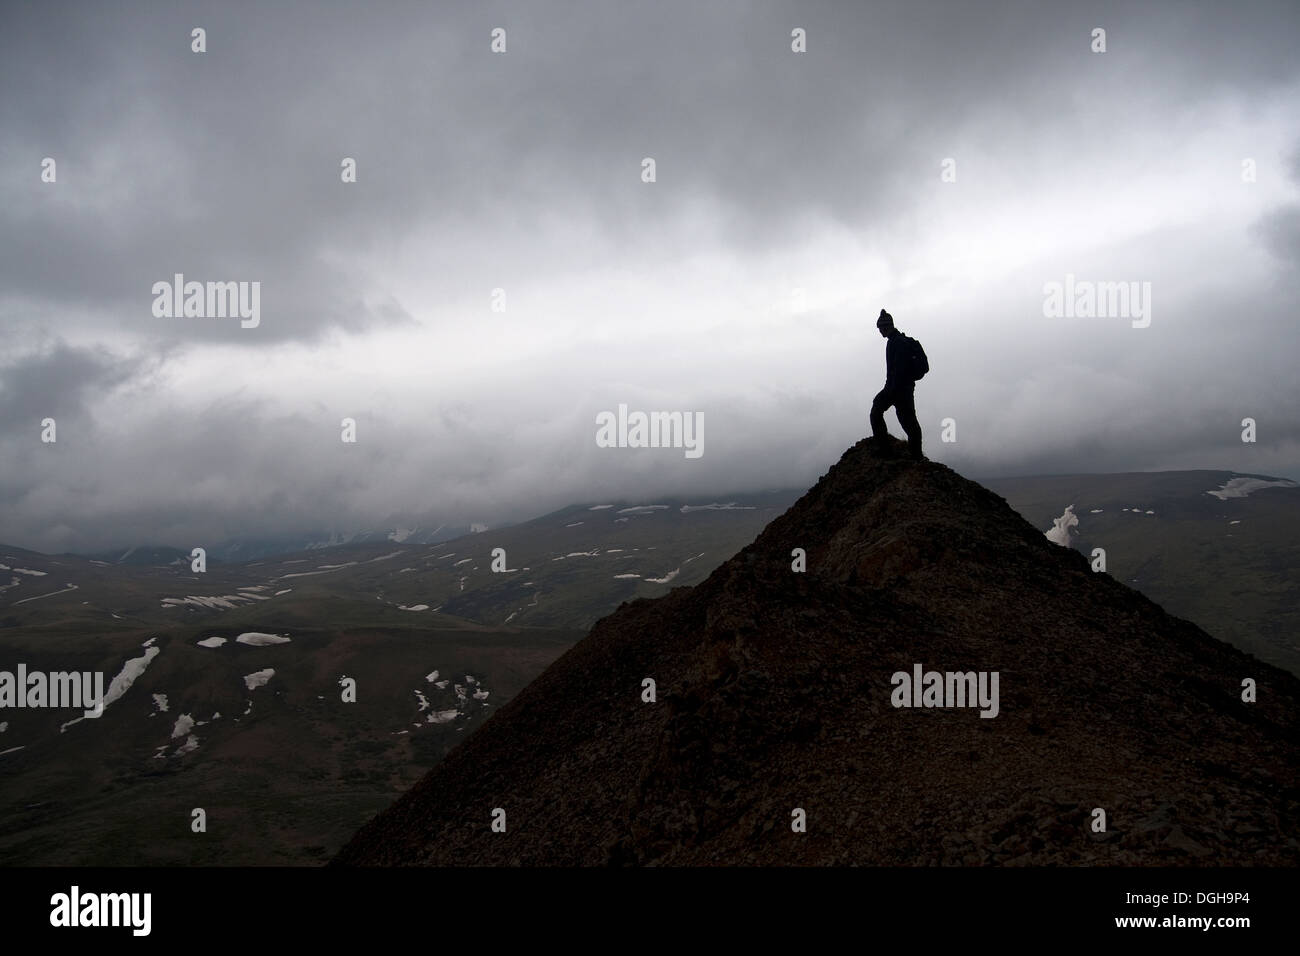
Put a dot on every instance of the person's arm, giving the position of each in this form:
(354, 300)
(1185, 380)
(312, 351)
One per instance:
(893, 355)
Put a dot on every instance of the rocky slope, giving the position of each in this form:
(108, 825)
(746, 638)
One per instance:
(774, 694)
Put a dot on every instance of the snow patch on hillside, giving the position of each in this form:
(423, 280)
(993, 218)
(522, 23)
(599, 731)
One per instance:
(1241, 487)
(258, 639)
(257, 679)
(729, 506)
(70, 587)
(122, 682)
(35, 574)
(217, 602)
(1062, 526)
(324, 569)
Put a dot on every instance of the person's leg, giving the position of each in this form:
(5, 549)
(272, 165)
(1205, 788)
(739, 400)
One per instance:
(905, 407)
(879, 405)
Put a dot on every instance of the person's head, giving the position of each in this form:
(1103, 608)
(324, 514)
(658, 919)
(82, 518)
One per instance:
(885, 324)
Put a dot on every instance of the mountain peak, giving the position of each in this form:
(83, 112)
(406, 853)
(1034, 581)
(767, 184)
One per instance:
(786, 698)
(878, 516)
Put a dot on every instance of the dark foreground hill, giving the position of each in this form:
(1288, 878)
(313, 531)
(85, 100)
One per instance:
(774, 696)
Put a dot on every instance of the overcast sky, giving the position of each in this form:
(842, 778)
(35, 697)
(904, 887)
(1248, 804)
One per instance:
(796, 194)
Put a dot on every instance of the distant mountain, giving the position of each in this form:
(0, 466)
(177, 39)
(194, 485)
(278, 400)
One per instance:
(253, 548)
(779, 696)
(143, 556)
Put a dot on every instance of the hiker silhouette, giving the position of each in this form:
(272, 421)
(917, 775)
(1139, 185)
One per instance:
(905, 362)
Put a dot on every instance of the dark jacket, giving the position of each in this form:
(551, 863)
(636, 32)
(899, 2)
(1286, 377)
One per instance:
(896, 373)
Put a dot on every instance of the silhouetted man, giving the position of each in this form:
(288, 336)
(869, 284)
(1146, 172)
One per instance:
(902, 369)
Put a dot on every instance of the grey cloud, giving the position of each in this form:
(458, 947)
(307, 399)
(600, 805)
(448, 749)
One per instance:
(60, 381)
(225, 165)
(477, 171)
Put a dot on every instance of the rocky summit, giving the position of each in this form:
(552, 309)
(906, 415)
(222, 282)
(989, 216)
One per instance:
(900, 670)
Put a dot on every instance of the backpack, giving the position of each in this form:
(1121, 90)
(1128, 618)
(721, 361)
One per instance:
(914, 360)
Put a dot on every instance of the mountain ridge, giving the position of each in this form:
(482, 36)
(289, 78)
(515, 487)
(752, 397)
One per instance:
(774, 694)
